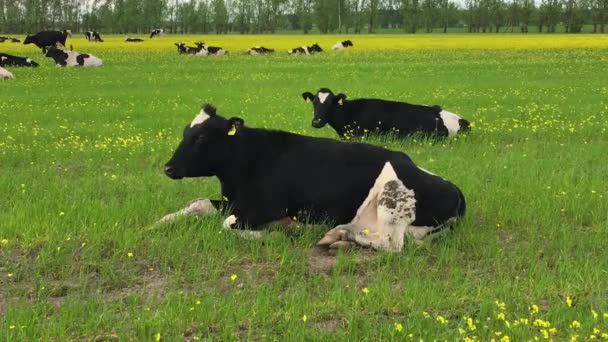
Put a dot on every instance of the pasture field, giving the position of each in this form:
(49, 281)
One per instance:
(81, 156)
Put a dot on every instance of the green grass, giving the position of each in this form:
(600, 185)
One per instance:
(81, 156)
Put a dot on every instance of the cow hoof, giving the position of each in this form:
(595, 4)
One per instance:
(332, 236)
(344, 245)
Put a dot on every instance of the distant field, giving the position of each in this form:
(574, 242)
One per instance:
(81, 156)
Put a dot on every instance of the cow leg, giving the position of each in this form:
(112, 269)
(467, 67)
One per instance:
(197, 207)
(383, 218)
(231, 221)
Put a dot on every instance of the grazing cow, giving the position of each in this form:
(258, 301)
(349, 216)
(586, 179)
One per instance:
(205, 49)
(342, 45)
(6, 59)
(355, 118)
(45, 39)
(184, 49)
(72, 58)
(93, 36)
(268, 176)
(259, 50)
(157, 33)
(308, 50)
(133, 40)
(5, 74)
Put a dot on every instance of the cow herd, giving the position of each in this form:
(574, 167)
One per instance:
(375, 196)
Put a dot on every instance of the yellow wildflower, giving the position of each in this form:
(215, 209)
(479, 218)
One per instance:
(501, 305)
(534, 308)
(568, 301)
(545, 333)
(157, 337)
(4, 242)
(398, 327)
(573, 338)
(130, 255)
(11, 327)
(233, 277)
(365, 231)
(425, 314)
(304, 318)
(575, 324)
(365, 290)
(441, 319)
(505, 339)
(500, 316)
(594, 313)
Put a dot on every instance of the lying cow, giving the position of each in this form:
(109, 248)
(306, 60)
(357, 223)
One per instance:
(205, 49)
(185, 49)
(259, 50)
(307, 50)
(133, 40)
(157, 33)
(342, 45)
(44, 39)
(5, 74)
(268, 176)
(93, 36)
(12, 40)
(6, 60)
(355, 118)
(72, 58)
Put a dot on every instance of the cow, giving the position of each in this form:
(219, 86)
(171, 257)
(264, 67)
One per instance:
(342, 45)
(355, 118)
(307, 50)
(6, 60)
(184, 49)
(259, 50)
(133, 40)
(157, 33)
(269, 176)
(93, 36)
(44, 39)
(5, 74)
(210, 50)
(12, 40)
(72, 58)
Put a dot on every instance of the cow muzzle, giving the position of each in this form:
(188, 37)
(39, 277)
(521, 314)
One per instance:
(172, 172)
(318, 123)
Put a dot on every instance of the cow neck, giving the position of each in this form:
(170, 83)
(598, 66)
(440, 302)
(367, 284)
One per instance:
(338, 120)
(245, 151)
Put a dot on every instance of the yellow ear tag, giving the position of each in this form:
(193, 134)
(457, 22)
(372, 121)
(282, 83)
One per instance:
(232, 131)
(340, 102)
(307, 99)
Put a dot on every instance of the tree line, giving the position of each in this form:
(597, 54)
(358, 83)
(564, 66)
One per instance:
(324, 16)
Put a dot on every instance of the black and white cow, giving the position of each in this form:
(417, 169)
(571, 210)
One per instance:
(12, 40)
(133, 40)
(259, 50)
(342, 45)
(355, 118)
(5, 74)
(10, 60)
(93, 36)
(185, 49)
(157, 33)
(44, 39)
(72, 58)
(307, 50)
(210, 50)
(268, 176)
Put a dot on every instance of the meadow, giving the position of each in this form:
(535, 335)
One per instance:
(81, 157)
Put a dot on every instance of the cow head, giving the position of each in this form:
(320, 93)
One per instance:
(324, 104)
(206, 146)
(29, 40)
(181, 47)
(55, 52)
(315, 48)
(347, 43)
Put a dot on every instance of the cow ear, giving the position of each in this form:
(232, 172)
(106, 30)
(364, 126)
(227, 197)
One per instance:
(234, 125)
(341, 98)
(307, 96)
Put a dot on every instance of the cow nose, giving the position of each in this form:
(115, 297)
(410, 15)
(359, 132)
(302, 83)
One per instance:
(317, 123)
(169, 171)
